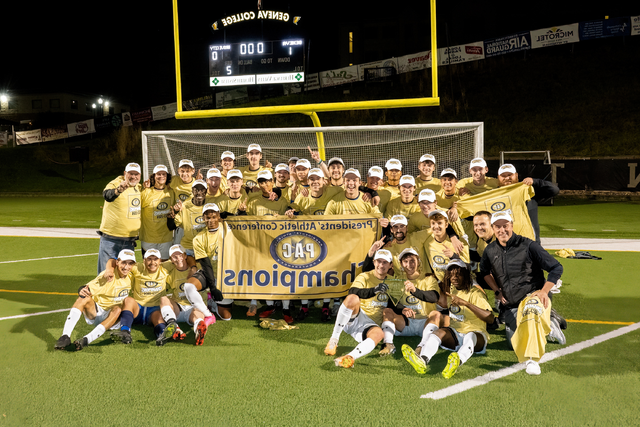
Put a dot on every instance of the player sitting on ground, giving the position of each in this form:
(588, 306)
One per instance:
(100, 301)
(463, 331)
(427, 166)
(409, 316)
(361, 311)
(157, 200)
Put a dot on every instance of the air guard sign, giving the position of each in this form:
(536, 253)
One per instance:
(301, 258)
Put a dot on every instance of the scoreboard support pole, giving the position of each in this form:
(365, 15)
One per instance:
(311, 110)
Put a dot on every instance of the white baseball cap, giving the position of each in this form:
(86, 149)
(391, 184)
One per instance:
(127, 255)
(293, 159)
(316, 172)
(438, 211)
(210, 207)
(407, 179)
(265, 174)
(408, 251)
(478, 161)
(376, 171)
(152, 252)
(227, 154)
(334, 160)
(497, 216)
(133, 167)
(398, 219)
(252, 147)
(304, 163)
(393, 164)
(458, 262)
(177, 248)
(186, 162)
(160, 168)
(199, 182)
(429, 157)
(507, 167)
(234, 173)
(383, 254)
(448, 171)
(352, 171)
(282, 167)
(213, 172)
(427, 195)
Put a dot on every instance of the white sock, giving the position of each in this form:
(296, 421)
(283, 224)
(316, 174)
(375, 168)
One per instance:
(430, 348)
(363, 348)
(253, 302)
(326, 300)
(95, 334)
(194, 297)
(305, 302)
(428, 330)
(468, 344)
(167, 313)
(70, 323)
(389, 329)
(343, 317)
(269, 303)
(285, 304)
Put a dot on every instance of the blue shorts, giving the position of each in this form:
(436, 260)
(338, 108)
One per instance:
(144, 315)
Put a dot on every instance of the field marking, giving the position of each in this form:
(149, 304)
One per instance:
(599, 322)
(50, 257)
(501, 373)
(36, 292)
(19, 316)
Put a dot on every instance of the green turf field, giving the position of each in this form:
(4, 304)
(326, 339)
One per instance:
(245, 375)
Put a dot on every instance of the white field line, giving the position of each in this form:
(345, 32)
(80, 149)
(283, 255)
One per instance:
(486, 378)
(50, 257)
(34, 314)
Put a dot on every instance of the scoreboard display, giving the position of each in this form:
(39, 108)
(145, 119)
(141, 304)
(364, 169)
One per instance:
(256, 62)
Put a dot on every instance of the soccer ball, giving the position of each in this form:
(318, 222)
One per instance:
(318, 303)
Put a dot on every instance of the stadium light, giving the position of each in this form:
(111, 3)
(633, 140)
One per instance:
(4, 98)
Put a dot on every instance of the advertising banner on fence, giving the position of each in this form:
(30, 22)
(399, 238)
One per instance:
(108, 123)
(462, 53)
(312, 82)
(162, 112)
(126, 119)
(142, 116)
(553, 36)
(635, 25)
(507, 44)
(414, 62)
(603, 28)
(309, 257)
(339, 76)
(51, 134)
(29, 137)
(81, 128)
(391, 62)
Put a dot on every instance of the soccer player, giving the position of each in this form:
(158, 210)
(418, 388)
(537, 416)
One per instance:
(478, 182)
(156, 205)
(482, 228)
(375, 183)
(182, 186)
(227, 163)
(251, 171)
(438, 246)
(425, 180)
(292, 166)
(420, 220)
(302, 172)
(393, 174)
(287, 189)
(189, 218)
(121, 222)
(336, 171)
(361, 311)
(407, 203)
(351, 201)
(463, 331)
(264, 205)
(448, 194)
(507, 175)
(214, 190)
(319, 195)
(100, 301)
(513, 266)
(235, 202)
(410, 314)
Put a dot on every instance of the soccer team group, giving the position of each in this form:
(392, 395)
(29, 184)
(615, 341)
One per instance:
(427, 276)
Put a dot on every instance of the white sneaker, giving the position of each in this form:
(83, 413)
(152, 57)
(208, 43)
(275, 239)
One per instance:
(556, 334)
(556, 288)
(533, 367)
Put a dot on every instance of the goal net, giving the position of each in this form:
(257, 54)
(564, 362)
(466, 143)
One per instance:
(454, 145)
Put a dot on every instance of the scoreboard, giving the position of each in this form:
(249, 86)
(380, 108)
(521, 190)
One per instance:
(256, 62)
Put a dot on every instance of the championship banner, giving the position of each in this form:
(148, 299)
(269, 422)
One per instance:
(308, 257)
(512, 199)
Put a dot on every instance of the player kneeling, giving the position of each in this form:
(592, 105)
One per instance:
(361, 311)
(100, 302)
(463, 331)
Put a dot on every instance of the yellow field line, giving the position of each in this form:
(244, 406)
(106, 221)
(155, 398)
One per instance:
(598, 322)
(36, 292)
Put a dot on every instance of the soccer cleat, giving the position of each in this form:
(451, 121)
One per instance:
(288, 319)
(210, 320)
(179, 334)
(331, 347)
(556, 334)
(63, 342)
(326, 314)
(345, 361)
(123, 336)
(453, 363)
(561, 321)
(81, 343)
(302, 314)
(533, 367)
(414, 359)
(201, 331)
(253, 309)
(167, 334)
(387, 350)
(268, 312)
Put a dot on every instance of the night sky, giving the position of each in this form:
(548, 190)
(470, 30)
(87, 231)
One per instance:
(124, 50)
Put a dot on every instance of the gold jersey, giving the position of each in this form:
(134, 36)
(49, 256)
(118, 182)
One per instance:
(445, 201)
(373, 307)
(489, 184)
(342, 205)
(310, 205)
(533, 325)
(175, 283)
(436, 256)
(261, 206)
(462, 319)
(228, 204)
(415, 241)
(433, 184)
(398, 207)
(421, 308)
(393, 189)
(156, 206)
(250, 177)
(110, 294)
(121, 218)
(181, 189)
(385, 198)
(191, 221)
(149, 287)
(206, 245)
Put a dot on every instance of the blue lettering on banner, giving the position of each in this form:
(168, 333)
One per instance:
(604, 28)
(507, 44)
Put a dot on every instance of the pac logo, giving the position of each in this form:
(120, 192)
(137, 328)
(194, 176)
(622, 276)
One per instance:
(135, 202)
(183, 197)
(412, 300)
(162, 206)
(298, 250)
(498, 206)
(150, 284)
(121, 295)
(454, 309)
(319, 212)
(382, 297)
(439, 260)
(199, 220)
(250, 184)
